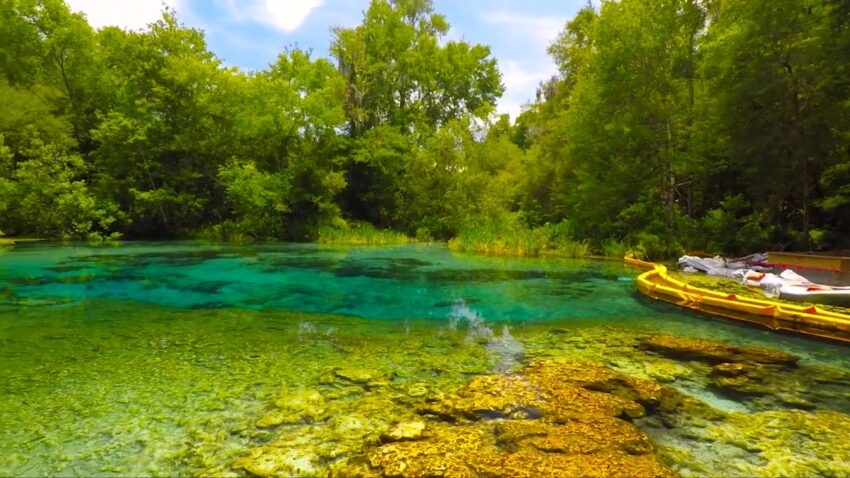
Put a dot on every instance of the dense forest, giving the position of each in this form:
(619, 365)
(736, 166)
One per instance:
(721, 125)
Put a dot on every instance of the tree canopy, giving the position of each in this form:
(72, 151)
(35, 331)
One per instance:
(722, 126)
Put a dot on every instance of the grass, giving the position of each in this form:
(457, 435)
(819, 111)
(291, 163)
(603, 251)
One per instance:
(360, 234)
(518, 241)
(11, 241)
(615, 249)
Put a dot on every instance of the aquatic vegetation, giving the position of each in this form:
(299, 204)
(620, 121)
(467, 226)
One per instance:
(517, 240)
(360, 234)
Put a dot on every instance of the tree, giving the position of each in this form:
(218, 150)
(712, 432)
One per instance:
(286, 174)
(403, 88)
(164, 134)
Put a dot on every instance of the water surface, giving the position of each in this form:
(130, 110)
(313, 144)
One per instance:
(160, 358)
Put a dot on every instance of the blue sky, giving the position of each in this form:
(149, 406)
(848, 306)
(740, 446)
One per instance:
(250, 33)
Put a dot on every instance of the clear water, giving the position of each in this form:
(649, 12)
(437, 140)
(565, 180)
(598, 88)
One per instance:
(158, 358)
(420, 281)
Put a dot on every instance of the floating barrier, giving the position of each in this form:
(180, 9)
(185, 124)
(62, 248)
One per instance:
(805, 320)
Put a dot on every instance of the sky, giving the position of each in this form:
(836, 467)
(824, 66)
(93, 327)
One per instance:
(249, 34)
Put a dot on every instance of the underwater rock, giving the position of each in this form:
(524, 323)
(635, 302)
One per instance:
(359, 375)
(456, 451)
(301, 406)
(597, 377)
(549, 419)
(791, 442)
(273, 461)
(417, 390)
(300, 400)
(405, 431)
(488, 396)
(742, 378)
(527, 448)
(556, 390)
(666, 371)
(713, 352)
(582, 436)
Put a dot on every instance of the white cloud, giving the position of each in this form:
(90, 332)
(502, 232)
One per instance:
(540, 30)
(520, 84)
(129, 14)
(283, 15)
(511, 108)
(515, 78)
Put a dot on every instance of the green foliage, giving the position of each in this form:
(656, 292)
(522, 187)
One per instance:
(615, 249)
(722, 126)
(44, 198)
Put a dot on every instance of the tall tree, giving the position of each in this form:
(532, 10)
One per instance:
(403, 86)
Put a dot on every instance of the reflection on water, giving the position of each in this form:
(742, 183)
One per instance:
(148, 360)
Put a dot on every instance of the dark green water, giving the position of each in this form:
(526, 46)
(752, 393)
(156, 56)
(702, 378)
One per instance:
(158, 358)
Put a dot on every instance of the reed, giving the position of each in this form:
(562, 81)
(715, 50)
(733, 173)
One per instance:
(546, 240)
(360, 234)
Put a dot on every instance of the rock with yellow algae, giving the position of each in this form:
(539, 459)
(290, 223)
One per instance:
(527, 448)
(528, 463)
(272, 461)
(583, 437)
(405, 431)
(489, 396)
(713, 352)
(554, 377)
(548, 419)
(452, 451)
(300, 406)
(359, 375)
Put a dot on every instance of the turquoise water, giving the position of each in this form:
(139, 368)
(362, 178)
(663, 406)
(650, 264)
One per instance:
(420, 281)
(162, 358)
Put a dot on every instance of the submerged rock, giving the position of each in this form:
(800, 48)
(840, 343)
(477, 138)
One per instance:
(522, 449)
(405, 431)
(548, 419)
(359, 375)
(713, 352)
(273, 461)
(301, 406)
(791, 442)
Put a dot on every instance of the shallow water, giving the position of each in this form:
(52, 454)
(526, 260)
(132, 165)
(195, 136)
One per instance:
(162, 358)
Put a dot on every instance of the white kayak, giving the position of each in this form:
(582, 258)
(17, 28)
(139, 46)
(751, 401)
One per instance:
(792, 286)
